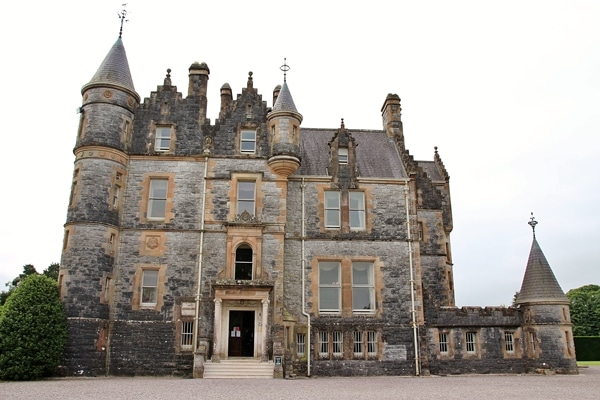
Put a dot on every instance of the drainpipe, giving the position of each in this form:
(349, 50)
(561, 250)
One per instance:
(200, 256)
(303, 261)
(413, 310)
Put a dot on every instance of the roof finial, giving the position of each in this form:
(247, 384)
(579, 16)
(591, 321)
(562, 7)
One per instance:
(342, 125)
(122, 16)
(285, 68)
(532, 222)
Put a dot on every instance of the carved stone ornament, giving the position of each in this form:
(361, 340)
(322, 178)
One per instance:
(152, 242)
(246, 218)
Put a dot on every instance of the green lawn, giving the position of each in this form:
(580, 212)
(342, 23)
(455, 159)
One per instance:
(588, 363)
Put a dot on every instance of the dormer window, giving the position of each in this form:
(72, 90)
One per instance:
(343, 155)
(248, 142)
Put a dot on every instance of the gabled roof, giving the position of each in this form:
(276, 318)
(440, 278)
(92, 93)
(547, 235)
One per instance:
(376, 154)
(114, 69)
(539, 283)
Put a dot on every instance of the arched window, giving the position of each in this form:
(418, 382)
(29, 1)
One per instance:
(243, 263)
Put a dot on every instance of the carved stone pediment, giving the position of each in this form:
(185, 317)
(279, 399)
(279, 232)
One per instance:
(245, 218)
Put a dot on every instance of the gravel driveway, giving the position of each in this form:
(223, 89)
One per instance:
(586, 385)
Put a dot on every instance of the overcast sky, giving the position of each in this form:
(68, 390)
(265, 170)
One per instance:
(509, 91)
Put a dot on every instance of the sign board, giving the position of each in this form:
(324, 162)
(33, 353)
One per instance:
(394, 352)
(277, 360)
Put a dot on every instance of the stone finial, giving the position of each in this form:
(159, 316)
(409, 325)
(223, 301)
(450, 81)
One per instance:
(250, 84)
(168, 78)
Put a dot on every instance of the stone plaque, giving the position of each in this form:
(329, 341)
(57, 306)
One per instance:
(187, 309)
(394, 352)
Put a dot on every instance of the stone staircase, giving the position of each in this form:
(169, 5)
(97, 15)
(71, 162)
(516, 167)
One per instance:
(238, 368)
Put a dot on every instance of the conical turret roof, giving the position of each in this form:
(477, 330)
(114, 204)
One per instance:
(114, 69)
(539, 283)
(284, 100)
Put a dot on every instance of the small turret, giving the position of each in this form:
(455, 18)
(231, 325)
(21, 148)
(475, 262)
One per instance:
(283, 124)
(547, 328)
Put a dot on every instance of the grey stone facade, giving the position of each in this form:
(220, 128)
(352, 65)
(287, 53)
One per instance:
(324, 251)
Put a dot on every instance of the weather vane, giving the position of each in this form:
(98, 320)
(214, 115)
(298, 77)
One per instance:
(122, 16)
(532, 222)
(285, 68)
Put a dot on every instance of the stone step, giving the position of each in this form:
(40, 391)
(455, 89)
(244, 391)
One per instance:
(238, 369)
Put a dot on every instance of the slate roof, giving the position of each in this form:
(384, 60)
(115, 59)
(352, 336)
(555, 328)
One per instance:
(376, 154)
(539, 283)
(115, 68)
(431, 169)
(284, 100)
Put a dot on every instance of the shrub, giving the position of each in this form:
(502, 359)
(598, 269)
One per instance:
(587, 348)
(33, 330)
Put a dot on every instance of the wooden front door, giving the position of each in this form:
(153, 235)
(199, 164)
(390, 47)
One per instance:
(241, 334)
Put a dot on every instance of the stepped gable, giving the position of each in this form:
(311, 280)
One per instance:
(539, 283)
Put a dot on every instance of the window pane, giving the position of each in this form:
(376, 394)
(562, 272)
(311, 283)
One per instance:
(329, 298)
(343, 156)
(248, 141)
(163, 139)
(329, 273)
(361, 298)
(332, 200)
(357, 209)
(245, 197)
(150, 278)
(362, 273)
(149, 287)
(157, 208)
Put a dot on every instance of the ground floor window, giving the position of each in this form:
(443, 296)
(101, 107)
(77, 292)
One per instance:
(354, 345)
(300, 344)
(470, 341)
(443, 339)
(509, 342)
(187, 335)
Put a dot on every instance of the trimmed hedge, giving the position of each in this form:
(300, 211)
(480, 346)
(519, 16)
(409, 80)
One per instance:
(33, 330)
(587, 348)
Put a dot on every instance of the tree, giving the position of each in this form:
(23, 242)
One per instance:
(52, 271)
(585, 310)
(33, 330)
(28, 269)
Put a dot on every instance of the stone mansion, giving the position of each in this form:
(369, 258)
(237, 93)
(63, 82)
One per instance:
(192, 248)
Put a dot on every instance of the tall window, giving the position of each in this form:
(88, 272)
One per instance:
(329, 286)
(243, 263)
(163, 138)
(371, 343)
(343, 155)
(248, 141)
(74, 187)
(187, 335)
(246, 197)
(470, 341)
(323, 344)
(157, 200)
(358, 344)
(149, 287)
(116, 195)
(443, 338)
(332, 209)
(363, 288)
(509, 341)
(338, 343)
(532, 341)
(301, 344)
(357, 210)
